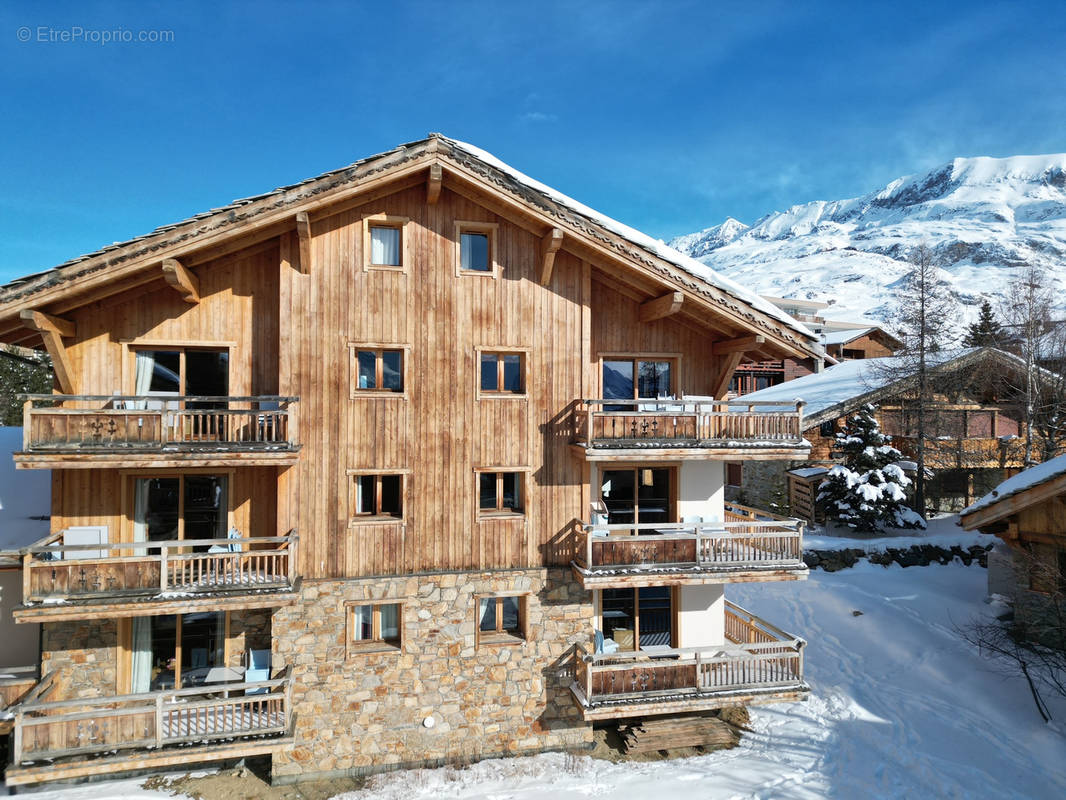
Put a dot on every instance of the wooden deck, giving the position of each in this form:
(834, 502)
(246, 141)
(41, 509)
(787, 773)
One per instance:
(682, 553)
(58, 582)
(60, 739)
(75, 431)
(623, 429)
(759, 664)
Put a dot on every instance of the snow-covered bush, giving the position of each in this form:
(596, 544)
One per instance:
(866, 492)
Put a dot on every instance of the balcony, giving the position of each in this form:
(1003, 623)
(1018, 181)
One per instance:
(65, 739)
(671, 554)
(124, 579)
(88, 431)
(759, 663)
(627, 430)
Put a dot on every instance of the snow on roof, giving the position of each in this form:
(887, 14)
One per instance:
(843, 382)
(1027, 479)
(843, 337)
(655, 246)
(808, 472)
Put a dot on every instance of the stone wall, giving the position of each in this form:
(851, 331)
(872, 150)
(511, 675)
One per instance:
(918, 555)
(84, 656)
(765, 485)
(364, 712)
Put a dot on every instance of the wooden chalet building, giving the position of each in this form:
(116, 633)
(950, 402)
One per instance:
(973, 433)
(414, 462)
(1028, 513)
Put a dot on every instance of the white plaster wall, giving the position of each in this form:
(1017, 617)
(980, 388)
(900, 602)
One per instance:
(702, 490)
(20, 642)
(701, 617)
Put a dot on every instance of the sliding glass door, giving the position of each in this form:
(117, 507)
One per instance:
(180, 507)
(638, 618)
(638, 495)
(176, 651)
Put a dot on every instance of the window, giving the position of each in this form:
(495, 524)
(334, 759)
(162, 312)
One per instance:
(501, 620)
(376, 497)
(198, 372)
(173, 651)
(385, 243)
(635, 618)
(828, 428)
(190, 506)
(475, 249)
(734, 474)
(377, 370)
(374, 627)
(502, 373)
(638, 495)
(633, 378)
(500, 492)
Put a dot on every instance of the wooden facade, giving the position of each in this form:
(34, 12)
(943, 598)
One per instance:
(312, 323)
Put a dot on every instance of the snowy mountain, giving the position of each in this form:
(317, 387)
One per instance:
(983, 217)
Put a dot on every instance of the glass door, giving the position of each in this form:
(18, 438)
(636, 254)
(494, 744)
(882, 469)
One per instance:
(637, 495)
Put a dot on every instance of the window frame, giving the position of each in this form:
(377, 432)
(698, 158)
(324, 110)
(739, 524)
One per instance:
(132, 346)
(498, 394)
(356, 518)
(490, 230)
(386, 221)
(355, 647)
(500, 637)
(522, 476)
(378, 348)
(673, 501)
(675, 371)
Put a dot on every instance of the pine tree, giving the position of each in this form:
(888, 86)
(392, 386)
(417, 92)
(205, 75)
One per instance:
(986, 332)
(866, 491)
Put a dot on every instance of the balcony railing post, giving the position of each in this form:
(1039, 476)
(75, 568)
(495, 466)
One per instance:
(588, 549)
(163, 568)
(159, 720)
(27, 583)
(699, 672)
(16, 746)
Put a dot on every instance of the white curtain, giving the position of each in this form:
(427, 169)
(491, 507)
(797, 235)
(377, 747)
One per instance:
(141, 662)
(141, 487)
(385, 246)
(142, 380)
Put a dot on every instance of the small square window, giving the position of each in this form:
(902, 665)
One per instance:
(502, 373)
(385, 243)
(500, 492)
(377, 370)
(475, 249)
(501, 620)
(377, 497)
(373, 627)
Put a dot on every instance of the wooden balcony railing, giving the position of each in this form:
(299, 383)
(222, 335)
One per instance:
(51, 729)
(53, 571)
(687, 423)
(106, 423)
(758, 656)
(748, 543)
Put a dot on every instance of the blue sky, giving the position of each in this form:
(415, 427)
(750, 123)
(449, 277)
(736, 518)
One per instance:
(668, 116)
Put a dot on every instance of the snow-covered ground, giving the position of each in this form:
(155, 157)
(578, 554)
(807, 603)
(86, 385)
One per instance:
(901, 707)
(943, 531)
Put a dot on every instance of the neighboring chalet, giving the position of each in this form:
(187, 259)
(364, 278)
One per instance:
(974, 435)
(841, 341)
(415, 462)
(1028, 512)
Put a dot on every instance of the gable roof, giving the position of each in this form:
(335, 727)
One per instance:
(275, 210)
(845, 336)
(843, 388)
(1022, 490)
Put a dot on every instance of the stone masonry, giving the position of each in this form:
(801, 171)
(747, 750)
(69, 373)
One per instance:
(364, 712)
(84, 656)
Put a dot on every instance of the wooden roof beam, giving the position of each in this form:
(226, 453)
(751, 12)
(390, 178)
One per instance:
(182, 280)
(303, 232)
(727, 365)
(741, 345)
(661, 307)
(433, 183)
(549, 246)
(52, 330)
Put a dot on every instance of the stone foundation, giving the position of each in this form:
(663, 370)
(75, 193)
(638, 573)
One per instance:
(365, 712)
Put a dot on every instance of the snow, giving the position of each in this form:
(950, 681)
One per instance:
(982, 217)
(129, 789)
(1026, 479)
(943, 532)
(841, 383)
(654, 246)
(843, 337)
(901, 707)
(808, 472)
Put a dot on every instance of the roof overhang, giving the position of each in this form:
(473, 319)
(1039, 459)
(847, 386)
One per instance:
(1011, 504)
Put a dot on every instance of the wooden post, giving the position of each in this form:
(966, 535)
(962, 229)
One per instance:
(163, 568)
(20, 719)
(159, 720)
(27, 584)
(588, 549)
(699, 673)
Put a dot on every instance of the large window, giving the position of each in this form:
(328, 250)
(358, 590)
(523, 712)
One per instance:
(638, 495)
(200, 372)
(180, 507)
(636, 378)
(500, 492)
(638, 618)
(377, 370)
(374, 626)
(177, 651)
(376, 497)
